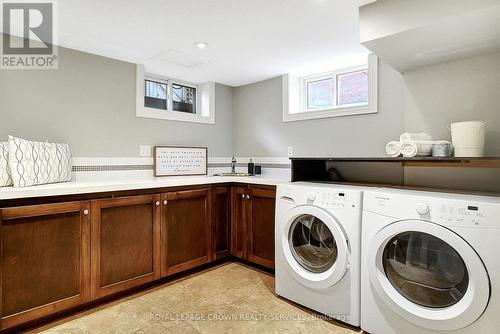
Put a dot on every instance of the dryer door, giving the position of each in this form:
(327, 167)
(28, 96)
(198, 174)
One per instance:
(315, 247)
(428, 274)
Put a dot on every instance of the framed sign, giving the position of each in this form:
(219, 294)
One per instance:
(176, 160)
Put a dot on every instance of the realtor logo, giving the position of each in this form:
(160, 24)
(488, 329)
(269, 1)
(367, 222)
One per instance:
(28, 35)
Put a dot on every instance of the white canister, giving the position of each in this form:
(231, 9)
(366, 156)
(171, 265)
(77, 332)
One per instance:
(468, 138)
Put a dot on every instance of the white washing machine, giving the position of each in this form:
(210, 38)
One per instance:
(318, 235)
(430, 263)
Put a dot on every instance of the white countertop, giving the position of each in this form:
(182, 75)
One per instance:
(87, 187)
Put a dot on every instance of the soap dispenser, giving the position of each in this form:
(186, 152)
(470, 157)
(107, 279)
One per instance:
(251, 167)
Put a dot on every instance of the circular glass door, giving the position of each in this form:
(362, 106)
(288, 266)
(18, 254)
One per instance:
(428, 275)
(425, 269)
(314, 246)
(312, 243)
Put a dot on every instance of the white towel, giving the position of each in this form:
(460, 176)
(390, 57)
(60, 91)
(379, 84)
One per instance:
(408, 136)
(414, 148)
(393, 149)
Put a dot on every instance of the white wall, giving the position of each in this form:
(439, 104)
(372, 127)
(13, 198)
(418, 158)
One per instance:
(259, 130)
(89, 102)
(462, 90)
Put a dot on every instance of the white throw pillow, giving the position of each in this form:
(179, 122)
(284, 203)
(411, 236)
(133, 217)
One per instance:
(33, 163)
(5, 179)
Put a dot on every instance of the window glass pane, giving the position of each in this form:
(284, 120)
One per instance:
(352, 88)
(312, 244)
(320, 94)
(184, 98)
(155, 95)
(425, 270)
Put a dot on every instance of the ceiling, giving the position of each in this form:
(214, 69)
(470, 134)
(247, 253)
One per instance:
(248, 40)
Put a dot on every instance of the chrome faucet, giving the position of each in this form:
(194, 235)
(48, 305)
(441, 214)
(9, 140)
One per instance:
(233, 165)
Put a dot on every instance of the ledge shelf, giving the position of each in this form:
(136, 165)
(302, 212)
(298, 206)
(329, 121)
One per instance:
(400, 171)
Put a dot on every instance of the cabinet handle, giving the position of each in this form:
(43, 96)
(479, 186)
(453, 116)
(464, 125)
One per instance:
(243, 196)
(157, 203)
(248, 196)
(165, 202)
(86, 212)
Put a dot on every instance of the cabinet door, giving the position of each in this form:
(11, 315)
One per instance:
(185, 230)
(125, 243)
(261, 226)
(45, 260)
(221, 223)
(239, 219)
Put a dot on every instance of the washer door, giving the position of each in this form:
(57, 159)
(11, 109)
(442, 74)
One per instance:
(315, 247)
(428, 275)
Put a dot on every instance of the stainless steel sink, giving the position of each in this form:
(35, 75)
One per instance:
(233, 174)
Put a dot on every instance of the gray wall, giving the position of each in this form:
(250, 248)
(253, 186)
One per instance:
(259, 130)
(463, 90)
(89, 102)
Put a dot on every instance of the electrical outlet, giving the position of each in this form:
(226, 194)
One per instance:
(290, 151)
(145, 151)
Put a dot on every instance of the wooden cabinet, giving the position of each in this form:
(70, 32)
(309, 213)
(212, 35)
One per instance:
(221, 223)
(45, 260)
(239, 221)
(253, 215)
(125, 243)
(261, 227)
(185, 231)
(55, 257)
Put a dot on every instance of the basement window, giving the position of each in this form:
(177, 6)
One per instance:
(170, 99)
(183, 98)
(155, 94)
(343, 92)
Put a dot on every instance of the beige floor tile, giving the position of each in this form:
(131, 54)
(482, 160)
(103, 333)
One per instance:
(127, 317)
(73, 327)
(272, 327)
(232, 298)
(157, 328)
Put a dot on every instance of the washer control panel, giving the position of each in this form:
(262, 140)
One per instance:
(333, 200)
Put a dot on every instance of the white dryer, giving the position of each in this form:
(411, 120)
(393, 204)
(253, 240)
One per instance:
(318, 235)
(430, 263)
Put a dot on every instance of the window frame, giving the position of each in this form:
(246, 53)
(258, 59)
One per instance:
(295, 94)
(204, 106)
(157, 81)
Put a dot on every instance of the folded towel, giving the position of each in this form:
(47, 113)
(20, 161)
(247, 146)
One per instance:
(393, 149)
(413, 148)
(408, 136)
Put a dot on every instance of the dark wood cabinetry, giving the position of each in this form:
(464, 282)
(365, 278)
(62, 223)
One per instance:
(125, 243)
(221, 224)
(56, 257)
(185, 230)
(239, 221)
(45, 260)
(253, 224)
(261, 227)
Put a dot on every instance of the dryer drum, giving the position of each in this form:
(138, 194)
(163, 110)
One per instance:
(425, 269)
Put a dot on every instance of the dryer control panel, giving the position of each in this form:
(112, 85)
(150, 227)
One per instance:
(462, 214)
(446, 209)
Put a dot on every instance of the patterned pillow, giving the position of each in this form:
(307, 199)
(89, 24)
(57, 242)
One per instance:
(33, 163)
(5, 179)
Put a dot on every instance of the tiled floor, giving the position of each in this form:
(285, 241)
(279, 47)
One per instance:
(231, 298)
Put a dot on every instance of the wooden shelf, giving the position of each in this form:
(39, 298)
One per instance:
(472, 174)
(484, 162)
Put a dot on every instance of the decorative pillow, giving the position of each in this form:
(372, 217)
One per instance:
(33, 163)
(5, 179)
